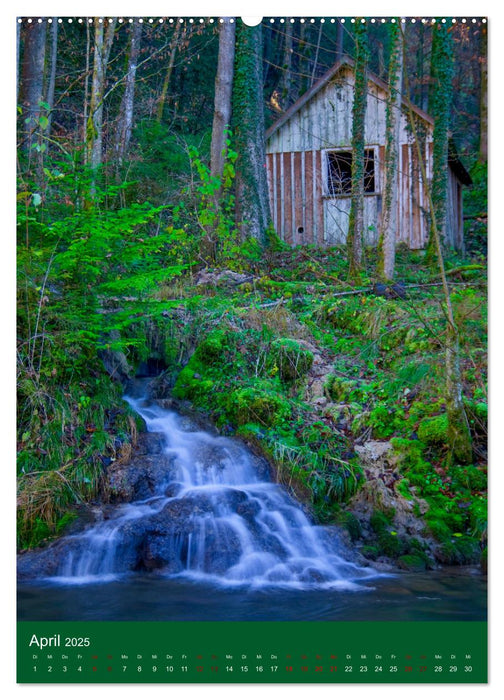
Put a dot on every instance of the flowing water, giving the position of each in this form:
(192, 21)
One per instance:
(211, 537)
(212, 518)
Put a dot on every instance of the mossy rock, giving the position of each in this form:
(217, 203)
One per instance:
(410, 456)
(342, 389)
(412, 562)
(290, 359)
(212, 349)
(370, 551)
(351, 523)
(191, 385)
(379, 521)
(258, 405)
(389, 544)
(460, 550)
(434, 431)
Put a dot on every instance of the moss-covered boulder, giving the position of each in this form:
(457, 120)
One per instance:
(412, 562)
(434, 431)
(258, 404)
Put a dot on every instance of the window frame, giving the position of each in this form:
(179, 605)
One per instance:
(325, 174)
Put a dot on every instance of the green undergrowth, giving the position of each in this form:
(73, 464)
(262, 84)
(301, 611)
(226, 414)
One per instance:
(251, 369)
(68, 436)
(249, 354)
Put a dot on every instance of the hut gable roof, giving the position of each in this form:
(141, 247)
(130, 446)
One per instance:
(344, 63)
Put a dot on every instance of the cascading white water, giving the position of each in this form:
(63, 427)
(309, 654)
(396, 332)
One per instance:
(213, 518)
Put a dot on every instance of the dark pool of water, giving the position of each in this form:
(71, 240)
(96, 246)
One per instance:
(435, 596)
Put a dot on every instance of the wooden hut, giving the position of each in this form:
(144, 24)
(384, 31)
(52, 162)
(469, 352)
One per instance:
(309, 161)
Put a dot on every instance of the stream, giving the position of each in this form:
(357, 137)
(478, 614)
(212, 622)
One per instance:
(209, 536)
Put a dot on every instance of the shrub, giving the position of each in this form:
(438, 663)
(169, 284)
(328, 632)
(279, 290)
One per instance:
(291, 359)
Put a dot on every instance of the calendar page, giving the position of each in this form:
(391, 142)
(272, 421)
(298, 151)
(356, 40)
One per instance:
(252, 349)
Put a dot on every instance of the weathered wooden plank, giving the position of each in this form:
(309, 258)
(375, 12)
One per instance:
(282, 197)
(287, 199)
(270, 179)
(293, 199)
(304, 238)
(319, 199)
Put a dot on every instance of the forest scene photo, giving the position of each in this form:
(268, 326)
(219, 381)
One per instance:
(252, 318)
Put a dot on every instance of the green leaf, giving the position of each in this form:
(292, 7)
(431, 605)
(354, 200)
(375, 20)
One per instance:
(36, 199)
(43, 121)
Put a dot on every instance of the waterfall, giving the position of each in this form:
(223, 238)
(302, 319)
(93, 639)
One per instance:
(212, 516)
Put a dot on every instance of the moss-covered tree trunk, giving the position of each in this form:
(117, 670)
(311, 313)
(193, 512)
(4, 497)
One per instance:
(356, 223)
(459, 434)
(440, 102)
(252, 201)
(389, 220)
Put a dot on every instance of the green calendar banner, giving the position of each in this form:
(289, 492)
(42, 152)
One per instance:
(255, 652)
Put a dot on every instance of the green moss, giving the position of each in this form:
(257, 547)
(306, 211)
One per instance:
(379, 521)
(370, 551)
(460, 550)
(351, 523)
(289, 358)
(258, 404)
(191, 385)
(411, 562)
(434, 431)
(389, 543)
(212, 349)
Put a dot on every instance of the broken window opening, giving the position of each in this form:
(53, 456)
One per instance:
(339, 172)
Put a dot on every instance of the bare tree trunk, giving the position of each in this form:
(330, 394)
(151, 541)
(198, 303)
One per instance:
(125, 121)
(285, 86)
(252, 199)
(356, 223)
(339, 42)
(94, 130)
(169, 70)
(52, 75)
(32, 78)
(315, 60)
(388, 226)
(223, 96)
(483, 141)
(86, 88)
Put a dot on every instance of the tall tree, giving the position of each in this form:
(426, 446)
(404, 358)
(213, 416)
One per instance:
(94, 128)
(252, 201)
(51, 85)
(483, 135)
(285, 84)
(356, 223)
(125, 121)
(459, 434)
(388, 225)
(223, 95)
(32, 80)
(440, 103)
(174, 44)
